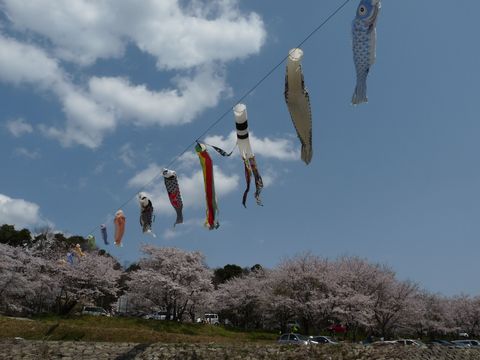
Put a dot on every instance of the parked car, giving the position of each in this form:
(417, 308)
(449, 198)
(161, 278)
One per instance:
(157, 315)
(211, 319)
(322, 340)
(384, 343)
(94, 310)
(469, 343)
(439, 342)
(337, 328)
(410, 342)
(293, 339)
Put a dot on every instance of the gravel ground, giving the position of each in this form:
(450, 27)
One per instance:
(75, 350)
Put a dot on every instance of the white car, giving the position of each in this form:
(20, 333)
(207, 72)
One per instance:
(211, 319)
(410, 342)
(158, 315)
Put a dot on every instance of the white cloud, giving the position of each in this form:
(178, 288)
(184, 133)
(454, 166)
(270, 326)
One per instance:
(145, 176)
(269, 176)
(181, 230)
(18, 127)
(280, 149)
(25, 64)
(18, 212)
(83, 31)
(87, 121)
(167, 107)
(21, 151)
(196, 38)
(99, 168)
(127, 155)
(20, 64)
(94, 112)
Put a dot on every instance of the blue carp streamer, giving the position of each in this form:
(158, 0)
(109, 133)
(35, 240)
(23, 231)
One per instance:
(103, 230)
(364, 44)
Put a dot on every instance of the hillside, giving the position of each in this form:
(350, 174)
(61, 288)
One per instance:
(89, 328)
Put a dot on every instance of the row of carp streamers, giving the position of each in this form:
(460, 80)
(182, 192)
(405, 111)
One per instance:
(298, 104)
(146, 210)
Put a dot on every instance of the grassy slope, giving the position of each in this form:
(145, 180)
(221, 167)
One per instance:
(90, 328)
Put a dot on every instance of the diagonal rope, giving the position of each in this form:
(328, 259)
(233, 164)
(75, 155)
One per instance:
(239, 100)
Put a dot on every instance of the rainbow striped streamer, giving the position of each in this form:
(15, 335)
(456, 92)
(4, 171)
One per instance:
(211, 221)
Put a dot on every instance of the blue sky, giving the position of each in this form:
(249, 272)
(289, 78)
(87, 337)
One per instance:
(96, 97)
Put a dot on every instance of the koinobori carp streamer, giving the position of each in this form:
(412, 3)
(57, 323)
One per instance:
(245, 148)
(173, 191)
(103, 231)
(298, 103)
(364, 43)
(146, 213)
(211, 220)
(119, 222)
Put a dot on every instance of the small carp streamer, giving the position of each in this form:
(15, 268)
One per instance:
(173, 191)
(103, 231)
(91, 242)
(211, 221)
(70, 256)
(243, 142)
(298, 102)
(146, 213)
(364, 45)
(78, 251)
(119, 222)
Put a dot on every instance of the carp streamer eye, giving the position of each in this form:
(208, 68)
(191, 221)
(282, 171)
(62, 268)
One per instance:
(362, 10)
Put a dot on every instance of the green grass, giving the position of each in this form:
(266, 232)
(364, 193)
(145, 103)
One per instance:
(90, 328)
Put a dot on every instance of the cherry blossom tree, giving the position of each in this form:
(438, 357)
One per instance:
(394, 303)
(170, 279)
(306, 282)
(466, 310)
(25, 282)
(434, 317)
(242, 299)
(356, 292)
(90, 279)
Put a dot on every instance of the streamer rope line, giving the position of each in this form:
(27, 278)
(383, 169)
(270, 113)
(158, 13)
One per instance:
(239, 100)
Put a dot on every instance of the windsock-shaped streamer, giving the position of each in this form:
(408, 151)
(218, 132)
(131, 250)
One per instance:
(103, 231)
(91, 242)
(211, 221)
(298, 103)
(146, 213)
(243, 142)
(364, 45)
(173, 191)
(78, 251)
(119, 222)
